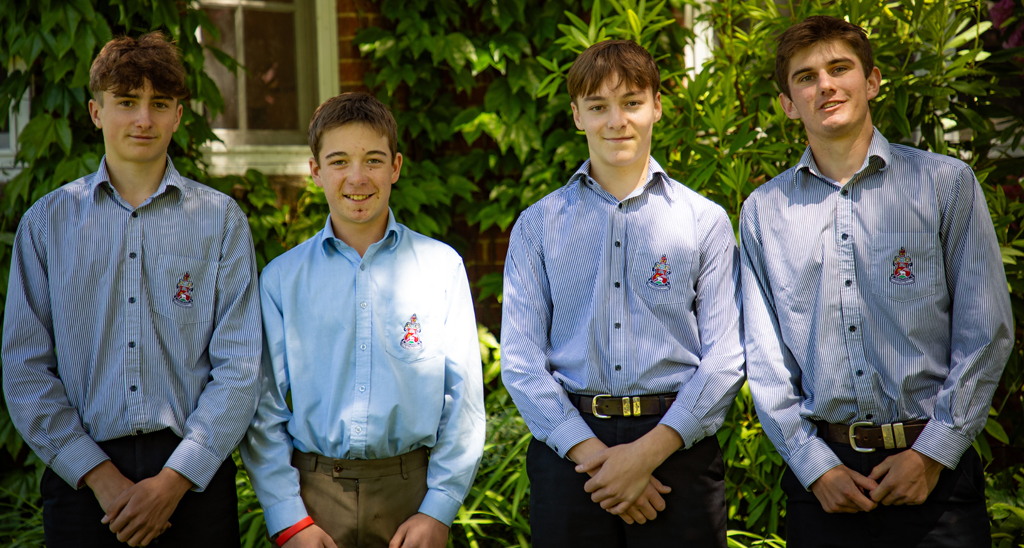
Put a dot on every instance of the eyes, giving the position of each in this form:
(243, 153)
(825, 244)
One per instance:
(809, 76)
(159, 105)
(629, 105)
(339, 162)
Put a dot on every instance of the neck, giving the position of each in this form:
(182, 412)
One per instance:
(135, 183)
(620, 181)
(840, 158)
(359, 236)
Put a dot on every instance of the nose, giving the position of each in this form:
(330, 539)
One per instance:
(143, 118)
(825, 83)
(616, 117)
(356, 175)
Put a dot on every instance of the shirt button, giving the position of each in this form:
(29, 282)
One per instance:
(138, 432)
(362, 347)
(860, 373)
(135, 213)
(131, 300)
(845, 192)
(131, 344)
(618, 243)
(358, 429)
(618, 368)
(134, 388)
(362, 389)
(132, 255)
(362, 305)
(620, 206)
(869, 416)
(362, 267)
(617, 325)
(845, 236)
(853, 328)
(617, 284)
(849, 283)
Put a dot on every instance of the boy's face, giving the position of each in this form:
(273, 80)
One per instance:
(618, 122)
(829, 92)
(356, 172)
(137, 126)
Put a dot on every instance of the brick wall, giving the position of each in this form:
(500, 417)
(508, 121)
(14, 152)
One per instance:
(353, 15)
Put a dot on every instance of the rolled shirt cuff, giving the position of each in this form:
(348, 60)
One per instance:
(440, 506)
(810, 461)
(942, 443)
(568, 434)
(284, 514)
(197, 463)
(685, 424)
(77, 459)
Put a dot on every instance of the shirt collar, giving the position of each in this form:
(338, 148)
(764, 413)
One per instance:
(879, 148)
(171, 179)
(392, 235)
(655, 173)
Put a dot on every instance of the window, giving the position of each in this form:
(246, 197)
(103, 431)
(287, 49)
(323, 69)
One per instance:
(11, 124)
(291, 65)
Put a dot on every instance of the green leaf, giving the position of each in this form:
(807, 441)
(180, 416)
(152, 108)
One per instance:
(969, 34)
(995, 430)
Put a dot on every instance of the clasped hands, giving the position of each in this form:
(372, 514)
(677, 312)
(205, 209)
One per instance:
(136, 512)
(621, 480)
(907, 478)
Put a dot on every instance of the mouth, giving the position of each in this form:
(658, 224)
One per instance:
(618, 139)
(143, 137)
(831, 104)
(358, 197)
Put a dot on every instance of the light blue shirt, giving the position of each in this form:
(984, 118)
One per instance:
(632, 297)
(123, 320)
(882, 300)
(380, 356)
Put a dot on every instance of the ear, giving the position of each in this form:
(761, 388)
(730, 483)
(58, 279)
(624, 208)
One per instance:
(576, 115)
(177, 117)
(874, 83)
(788, 107)
(396, 167)
(657, 106)
(94, 112)
(314, 171)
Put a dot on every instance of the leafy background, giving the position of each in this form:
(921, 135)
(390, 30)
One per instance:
(477, 89)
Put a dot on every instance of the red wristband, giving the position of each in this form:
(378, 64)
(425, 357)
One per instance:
(290, 532)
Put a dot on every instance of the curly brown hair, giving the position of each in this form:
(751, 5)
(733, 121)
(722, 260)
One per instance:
(347, 108)
(126, 63)
(815, 29)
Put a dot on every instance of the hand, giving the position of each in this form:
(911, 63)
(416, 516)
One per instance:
(140, 513)
(621, 474)
(841, 490)
(107, 483)
(648, 505)
(581, 452)
(907, 477)
(420, 531)
(311, 537)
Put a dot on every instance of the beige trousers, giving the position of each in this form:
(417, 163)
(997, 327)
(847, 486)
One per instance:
(361, 503)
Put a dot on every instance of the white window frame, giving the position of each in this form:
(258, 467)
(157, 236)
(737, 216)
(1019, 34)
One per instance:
(232, 155)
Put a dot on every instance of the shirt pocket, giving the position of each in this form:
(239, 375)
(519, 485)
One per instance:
(413, 333)
(183, 289)
(660, 275)
(904, 265)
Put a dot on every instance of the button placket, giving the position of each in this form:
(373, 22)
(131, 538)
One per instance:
(363, 361)
(133, 313)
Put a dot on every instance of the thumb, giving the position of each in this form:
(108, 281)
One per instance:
(593, 463)
(879, 472)
(867, 483)
(660, 487)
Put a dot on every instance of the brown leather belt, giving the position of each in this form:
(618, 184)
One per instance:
(866, 437)
(604, 406)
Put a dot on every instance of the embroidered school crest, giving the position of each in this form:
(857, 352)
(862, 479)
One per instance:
(901, 274)
(659, 280)
(183, 297)
(412, 334)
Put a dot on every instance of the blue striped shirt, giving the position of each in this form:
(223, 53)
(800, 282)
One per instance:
(883, 300)
(122, 321)
(381, 357)
(624, 298)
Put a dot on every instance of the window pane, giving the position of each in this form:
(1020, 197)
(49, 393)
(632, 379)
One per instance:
(224, 20)
(5, 121)
(271, 86)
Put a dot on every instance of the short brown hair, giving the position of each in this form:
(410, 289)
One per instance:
(348, 108)
(814, 29)
(625, 59)
(126, 63)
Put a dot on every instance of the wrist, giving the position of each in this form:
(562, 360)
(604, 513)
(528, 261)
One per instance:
(287, 534)
(585, 449)
(95, 477)
(179, 483)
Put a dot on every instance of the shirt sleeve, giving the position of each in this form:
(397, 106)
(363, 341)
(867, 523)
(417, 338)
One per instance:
(701, 406)
(34, 392)
(982, 323)
(267, 446)
(228, 401)
(460, 434)
(526, 311)
(772, 372)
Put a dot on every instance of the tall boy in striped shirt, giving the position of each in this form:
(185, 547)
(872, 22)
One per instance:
(620, 330)
(876, 314)
(131, 340)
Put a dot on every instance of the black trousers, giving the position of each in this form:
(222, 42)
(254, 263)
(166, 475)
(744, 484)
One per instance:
(562, 514)
(71, 518)
(954, 514)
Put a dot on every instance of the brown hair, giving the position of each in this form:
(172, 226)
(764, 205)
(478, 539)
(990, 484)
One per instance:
(348, 108)
(814, 29)
(126, 63)
(625, 59)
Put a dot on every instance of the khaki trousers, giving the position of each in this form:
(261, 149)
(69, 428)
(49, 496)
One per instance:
(361, 503)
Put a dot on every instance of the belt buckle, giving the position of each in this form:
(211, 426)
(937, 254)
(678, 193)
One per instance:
(593, 406)
(853, 437)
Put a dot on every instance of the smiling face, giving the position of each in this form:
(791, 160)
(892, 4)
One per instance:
(829, 92)
(356, 171)
(618, 123)
(137, 126)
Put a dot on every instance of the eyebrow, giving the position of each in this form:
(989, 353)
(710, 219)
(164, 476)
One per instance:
(833, 62)
(343, 153)
(602, 98)
(134, 96)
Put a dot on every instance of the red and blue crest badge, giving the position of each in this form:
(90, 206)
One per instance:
(183, 297)
(901, 273)
(659, 280)
(412, 334)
